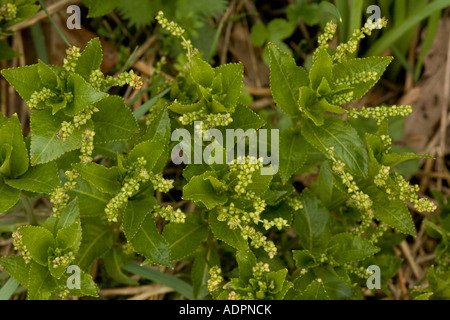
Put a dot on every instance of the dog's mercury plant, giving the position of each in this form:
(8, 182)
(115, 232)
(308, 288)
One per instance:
(103, 172)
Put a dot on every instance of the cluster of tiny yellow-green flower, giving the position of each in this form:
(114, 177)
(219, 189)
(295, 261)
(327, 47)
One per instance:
(294, 202)
(358, 198)
(215, 278)
(78, 120)
(170, 214)
(342, 98)
(243, 168)
(60, 197)
(175, 30)
(40, 96)
(406, 191)
(327, 35)
(361, 77)
(62, 259)
(352, 45)
(70, 62)
(207, 121)
(381, 177)
(380, 113)
(159, 183)
(8, 12)
(360, 272)
(87, 146)
(20, 246)
(378, 233)
(137, 174)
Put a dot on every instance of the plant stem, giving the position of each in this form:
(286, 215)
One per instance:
(29, 210)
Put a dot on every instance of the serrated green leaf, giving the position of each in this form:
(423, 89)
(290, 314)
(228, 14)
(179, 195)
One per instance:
(187, 108)
(96, 241)
(322, 68)
(92, 56)
(286, 78)
(17, 268)
(114, 261)
(185, 238)
(314, 291)
(48, 76)
(40, 178)
(200, 191)
(69, 215)
(232, 74)
(244, 118)
(313, 223)
(37, 241)
(149, 150)
(222, 232)
(25, 80)
(6, 52)
(91, 201)
(45, 144)
(105, 179)
(303, 259)
(83, 95)
(325, 183)
(335, 287)
(340, 135)
(393, 212)
(246, 261)
(101, 8)
(202, 72)
(346, 248)
(87, 286)
(134, 215)
(69, 237)
(293, 153)
(159, 129)
(148, 242)
(114, 121)
(8, 196)
(41, 284)
(392, 159)
(13, 151)
(355, 67)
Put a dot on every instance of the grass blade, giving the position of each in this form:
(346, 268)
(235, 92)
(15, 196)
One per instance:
(168, 280)
(8, 289)
(393, 35)
(139, 112)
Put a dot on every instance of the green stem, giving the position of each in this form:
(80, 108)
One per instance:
(29, 210)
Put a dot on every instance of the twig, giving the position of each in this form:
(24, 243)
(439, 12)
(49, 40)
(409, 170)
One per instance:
(223, 56)
(401, 279)
(443, 131)
(129, 291)
(151, 293)
(408, 255)
(256, 91)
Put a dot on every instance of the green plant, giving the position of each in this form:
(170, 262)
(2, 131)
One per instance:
(102, 167)
(11, 13)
